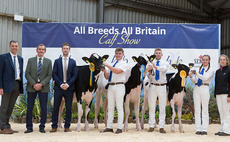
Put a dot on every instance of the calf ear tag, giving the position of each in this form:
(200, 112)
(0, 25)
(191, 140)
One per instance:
(183, 75)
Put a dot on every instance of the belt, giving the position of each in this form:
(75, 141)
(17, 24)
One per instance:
(115, 83)
(158, 84)
(204, 84)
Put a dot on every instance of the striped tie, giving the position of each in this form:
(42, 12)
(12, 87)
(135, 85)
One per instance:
(15, 69)
(39, 68)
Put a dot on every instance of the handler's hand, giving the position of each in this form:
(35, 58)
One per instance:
(1, 92)
(106, 64)
(64, 86)
(228, 99)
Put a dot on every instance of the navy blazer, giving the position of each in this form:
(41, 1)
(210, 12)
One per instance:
(7, 73)
(58, 74)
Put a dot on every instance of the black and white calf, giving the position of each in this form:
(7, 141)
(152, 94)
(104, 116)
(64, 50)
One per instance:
(177, 91)
(86, 84)
(133, 86)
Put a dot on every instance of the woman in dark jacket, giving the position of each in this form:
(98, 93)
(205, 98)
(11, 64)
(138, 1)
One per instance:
(222, 95)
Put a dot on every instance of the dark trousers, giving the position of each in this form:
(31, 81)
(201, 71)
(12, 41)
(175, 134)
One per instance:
(68, 95)
(7, 105)
(43, 98)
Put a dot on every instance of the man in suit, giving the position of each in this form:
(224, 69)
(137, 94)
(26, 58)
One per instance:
(64, 75)
(38, 75)
(11, 85)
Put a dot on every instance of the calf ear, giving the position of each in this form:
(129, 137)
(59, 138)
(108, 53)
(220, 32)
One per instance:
(191, 65)
(174, 66)
(152, 57)
(134, 58)
(86, 59)
(105, 57)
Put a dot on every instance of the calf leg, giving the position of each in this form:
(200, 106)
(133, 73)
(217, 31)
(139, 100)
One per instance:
(60, 113)
(136, 108)
(143, 111)
(87, 110)
(80, 113)
(105, 107)
(97, 105)
(179, 116)
(127, 112)
(173, 115)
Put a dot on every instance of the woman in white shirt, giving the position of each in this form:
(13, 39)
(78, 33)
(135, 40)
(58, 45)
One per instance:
(201, 96)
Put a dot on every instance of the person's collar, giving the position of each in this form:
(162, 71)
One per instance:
(40, 57)
(12, 55)
(205, 67)
(66, 58)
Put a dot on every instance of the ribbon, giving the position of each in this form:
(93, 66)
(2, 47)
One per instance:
(92, 69)
(183, 75)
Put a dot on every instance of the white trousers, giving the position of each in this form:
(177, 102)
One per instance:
(154, 92)
(224, 108)
(115, 96)
(201, 98)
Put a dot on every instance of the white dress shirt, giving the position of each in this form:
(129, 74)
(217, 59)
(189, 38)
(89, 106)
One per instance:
(162, 68)
(206, 77)
(121, 76)
(38, 60)
(17, 65)
(67, 63)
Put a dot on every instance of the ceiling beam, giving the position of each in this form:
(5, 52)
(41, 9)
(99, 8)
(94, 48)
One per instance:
(224, 14)
(220, 5)
(205, 7)
(160, 10)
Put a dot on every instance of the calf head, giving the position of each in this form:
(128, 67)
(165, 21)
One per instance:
(96, 61)
(183, 71)
(144, 60)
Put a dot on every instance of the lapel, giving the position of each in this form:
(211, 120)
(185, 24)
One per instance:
(11, 61)
(60, 60)
(20, 63)
(68, 68)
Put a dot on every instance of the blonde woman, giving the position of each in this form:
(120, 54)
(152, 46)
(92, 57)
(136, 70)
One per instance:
(222, 81)
(202, 79)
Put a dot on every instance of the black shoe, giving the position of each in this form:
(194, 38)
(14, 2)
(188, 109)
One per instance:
(218, 133)
(151, 129)
(118, 131)
(204, 133)
(107, 130)
(224, 134)
(29, 131)
(42, 130)
(198, 132)
(162, 131)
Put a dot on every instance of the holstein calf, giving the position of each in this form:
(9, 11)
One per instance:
(86, 85)
(133, 86)
(177, 91)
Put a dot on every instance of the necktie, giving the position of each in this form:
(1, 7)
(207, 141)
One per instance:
(199, 82)
(157, 72)
(65, 70)
(39, 68)
(15, 69)
(110, 74)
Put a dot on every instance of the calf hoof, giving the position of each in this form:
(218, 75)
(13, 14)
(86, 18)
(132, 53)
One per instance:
(181, 131)
(96, 126)
(87, 129)
(78, 128)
